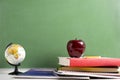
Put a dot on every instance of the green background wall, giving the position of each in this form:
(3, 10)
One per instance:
(43, 28)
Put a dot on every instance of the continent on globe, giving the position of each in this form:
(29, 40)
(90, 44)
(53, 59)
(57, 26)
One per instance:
(13, 50)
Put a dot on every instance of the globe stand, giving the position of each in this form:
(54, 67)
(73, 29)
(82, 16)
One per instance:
(14, 55)
(15, 72)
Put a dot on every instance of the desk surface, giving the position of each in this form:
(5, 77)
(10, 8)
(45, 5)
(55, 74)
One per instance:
(4, 75)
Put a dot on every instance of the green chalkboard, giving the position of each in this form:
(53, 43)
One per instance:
(43, 27)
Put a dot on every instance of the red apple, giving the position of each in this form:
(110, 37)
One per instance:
(76, 48)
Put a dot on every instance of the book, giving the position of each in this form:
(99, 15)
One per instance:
(90, 74)
(49, 74)
(103, 61)
(91, 69)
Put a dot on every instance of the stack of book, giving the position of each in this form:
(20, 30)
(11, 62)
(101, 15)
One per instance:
(100, 67)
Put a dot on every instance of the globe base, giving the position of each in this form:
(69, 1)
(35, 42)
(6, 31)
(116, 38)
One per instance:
(15, 72)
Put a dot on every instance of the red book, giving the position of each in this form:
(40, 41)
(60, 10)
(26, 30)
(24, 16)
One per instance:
(103, 61)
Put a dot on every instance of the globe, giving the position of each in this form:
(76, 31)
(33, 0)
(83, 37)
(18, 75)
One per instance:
(14, 55)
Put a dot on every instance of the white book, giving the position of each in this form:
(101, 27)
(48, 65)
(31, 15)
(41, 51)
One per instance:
(89, 74)
(52, 78)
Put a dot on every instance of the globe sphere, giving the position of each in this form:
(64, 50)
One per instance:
(15, 54)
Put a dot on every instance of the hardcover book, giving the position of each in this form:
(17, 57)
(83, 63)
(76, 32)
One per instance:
(103, 61)
(91, 69)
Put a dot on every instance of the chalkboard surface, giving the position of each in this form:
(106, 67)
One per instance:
(43, 28)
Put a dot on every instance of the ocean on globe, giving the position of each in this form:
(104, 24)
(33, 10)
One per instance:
(15, 54)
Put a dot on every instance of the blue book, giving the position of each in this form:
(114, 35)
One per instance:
(39, 72)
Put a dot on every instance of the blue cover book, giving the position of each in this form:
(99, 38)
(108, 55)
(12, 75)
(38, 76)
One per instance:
(39, 72)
